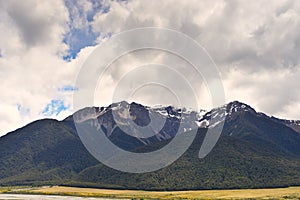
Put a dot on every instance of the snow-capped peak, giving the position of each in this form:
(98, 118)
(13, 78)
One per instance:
(120, 112)
(219, 114)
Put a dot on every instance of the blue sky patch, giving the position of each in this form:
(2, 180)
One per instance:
(81, 36)
(55, 107)
(77, 39)
(67, 88)
(22, 110)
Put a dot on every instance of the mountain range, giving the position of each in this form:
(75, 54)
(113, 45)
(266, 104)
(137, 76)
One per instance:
(254, 150)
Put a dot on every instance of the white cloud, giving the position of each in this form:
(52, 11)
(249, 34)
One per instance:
(31, 68)
(273, 91)
(256, 45)
(37, 23)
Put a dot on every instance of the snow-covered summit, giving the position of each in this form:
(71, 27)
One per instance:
(121, 113)
(219, 114)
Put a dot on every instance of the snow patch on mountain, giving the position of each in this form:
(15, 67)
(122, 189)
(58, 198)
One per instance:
(123, 113)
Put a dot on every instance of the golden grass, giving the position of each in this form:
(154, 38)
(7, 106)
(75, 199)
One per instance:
(9, 189)
(278, 193)
(4, 190)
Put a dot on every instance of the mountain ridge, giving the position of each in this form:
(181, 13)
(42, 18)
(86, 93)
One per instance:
(201, 111)
(254, 150)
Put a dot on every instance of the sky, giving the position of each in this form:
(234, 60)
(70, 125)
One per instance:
(44, 44)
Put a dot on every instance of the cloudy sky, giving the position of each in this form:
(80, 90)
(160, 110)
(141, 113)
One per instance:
(43, 45)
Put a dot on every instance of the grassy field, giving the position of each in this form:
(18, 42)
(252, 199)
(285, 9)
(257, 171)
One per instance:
(278, 193)
(12, 188)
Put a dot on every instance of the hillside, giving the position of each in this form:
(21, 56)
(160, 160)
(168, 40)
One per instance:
(254, 151)
(45, 151)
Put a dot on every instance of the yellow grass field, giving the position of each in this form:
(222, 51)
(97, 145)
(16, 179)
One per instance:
(278, 193)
